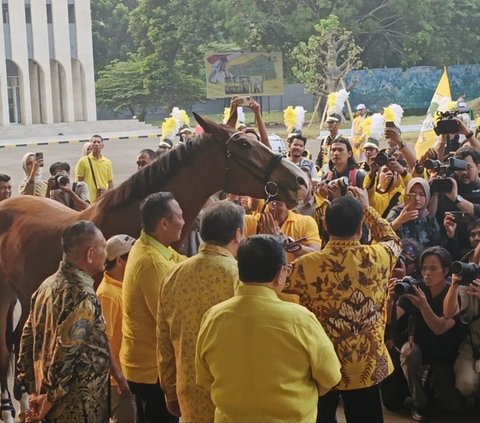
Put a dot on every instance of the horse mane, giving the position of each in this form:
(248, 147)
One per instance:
(156, 174)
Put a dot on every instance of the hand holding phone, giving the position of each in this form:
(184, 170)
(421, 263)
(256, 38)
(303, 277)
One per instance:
(410, 201)
(295, 245)
(39, 158)
(461, 217)
(245, 101)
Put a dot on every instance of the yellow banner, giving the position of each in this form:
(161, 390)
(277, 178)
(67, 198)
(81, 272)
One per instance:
(255, 74)
(440, 100)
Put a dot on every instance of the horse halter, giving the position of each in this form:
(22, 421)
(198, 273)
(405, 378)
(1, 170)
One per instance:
(270, 187)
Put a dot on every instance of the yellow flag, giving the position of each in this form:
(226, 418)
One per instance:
(441, 98)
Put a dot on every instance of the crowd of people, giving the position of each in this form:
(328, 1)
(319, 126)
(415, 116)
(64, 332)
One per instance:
(368, 291)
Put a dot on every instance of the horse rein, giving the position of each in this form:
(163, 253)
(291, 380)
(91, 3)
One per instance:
(271, 188)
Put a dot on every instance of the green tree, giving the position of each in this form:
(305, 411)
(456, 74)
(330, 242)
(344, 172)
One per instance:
(122, 85)
(111, 40)
(170, 36)
(327, 57)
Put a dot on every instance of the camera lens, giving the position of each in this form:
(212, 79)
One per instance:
(381, 159)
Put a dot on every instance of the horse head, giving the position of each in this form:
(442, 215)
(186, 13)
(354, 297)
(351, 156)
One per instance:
(253, 169)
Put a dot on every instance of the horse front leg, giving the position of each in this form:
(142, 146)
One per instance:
(19, 390)
(7, 301)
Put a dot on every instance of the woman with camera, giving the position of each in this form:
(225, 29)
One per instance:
(386, 184)
(32, 184)
(431, 339)
(412, 219)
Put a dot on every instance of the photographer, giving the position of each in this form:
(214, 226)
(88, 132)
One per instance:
(450, 143)
(60, 189)
(431, 338)
(463, 299)
(412, 219)
(386, 184)
(342, 163)
(464, 194)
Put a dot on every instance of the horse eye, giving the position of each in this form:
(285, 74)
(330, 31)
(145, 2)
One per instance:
(245, 145)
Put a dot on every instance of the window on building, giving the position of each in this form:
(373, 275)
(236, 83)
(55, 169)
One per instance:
(28, 14)
(71, 13)
(6, 18)
(49, 14)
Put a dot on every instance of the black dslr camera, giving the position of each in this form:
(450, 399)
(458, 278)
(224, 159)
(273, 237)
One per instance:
(442, 183)
(61, 180)
(405, 286)
(447, 124)
(468, 271)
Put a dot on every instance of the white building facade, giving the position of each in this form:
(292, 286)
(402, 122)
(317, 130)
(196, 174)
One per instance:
(46, 62)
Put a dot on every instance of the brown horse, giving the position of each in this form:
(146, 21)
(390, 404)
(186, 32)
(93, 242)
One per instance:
(219, 159)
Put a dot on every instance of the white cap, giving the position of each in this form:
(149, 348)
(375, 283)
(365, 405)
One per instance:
(119, 245)
(361, 106)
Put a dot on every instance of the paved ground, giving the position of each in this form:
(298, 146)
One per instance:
(123, 154)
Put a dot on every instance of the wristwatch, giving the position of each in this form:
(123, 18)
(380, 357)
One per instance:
(469, 135)
(459, 199)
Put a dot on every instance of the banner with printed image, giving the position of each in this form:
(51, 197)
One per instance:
(255, 74)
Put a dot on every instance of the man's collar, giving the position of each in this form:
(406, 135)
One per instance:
(150, 240)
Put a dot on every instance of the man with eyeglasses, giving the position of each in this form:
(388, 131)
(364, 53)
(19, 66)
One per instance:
(263, 359)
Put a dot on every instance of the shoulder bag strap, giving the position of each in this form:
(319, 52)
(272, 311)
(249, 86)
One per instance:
(93, 173)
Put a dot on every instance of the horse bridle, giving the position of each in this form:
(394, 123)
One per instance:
(270, 187)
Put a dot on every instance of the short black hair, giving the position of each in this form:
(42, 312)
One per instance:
(296, 136)
(110, 264)
(343, 216)
(4, 178)
(442, 254)
(260, 257)
(220, 222)
(464, 152)
(96, 136)
(59, 165)
(155, 207)
(150, 153)
(78, 234)
(470, 227)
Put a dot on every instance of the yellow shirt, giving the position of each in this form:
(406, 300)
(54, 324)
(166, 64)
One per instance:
(264, 359)
(380, 201)
(295, 226)
(109, 292)
(102, 168)
(187, 292)
(345, 286)
(148, 262)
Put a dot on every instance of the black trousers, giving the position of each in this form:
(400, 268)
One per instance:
(360, 405)
(150, 401)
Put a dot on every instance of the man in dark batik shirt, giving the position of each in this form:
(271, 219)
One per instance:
(64, 356)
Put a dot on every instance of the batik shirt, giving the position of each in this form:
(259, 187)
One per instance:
(345, 286)
(187, 292)
(64, 350)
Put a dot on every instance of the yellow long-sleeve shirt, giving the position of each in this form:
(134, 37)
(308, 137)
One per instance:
(187, 292)
(344, 285)
(264, 359)
(148, 262)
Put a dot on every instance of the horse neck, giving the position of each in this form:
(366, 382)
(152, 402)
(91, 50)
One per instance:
(191, 186)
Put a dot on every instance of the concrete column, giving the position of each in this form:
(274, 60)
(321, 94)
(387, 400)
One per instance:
(4, 115)
(16, 11)
(41, 54)
(85, 55)
(62, 54)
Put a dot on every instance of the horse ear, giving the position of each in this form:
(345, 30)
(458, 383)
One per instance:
(208, 125)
